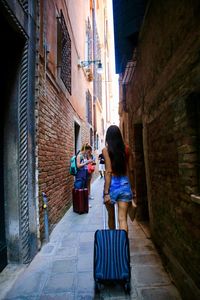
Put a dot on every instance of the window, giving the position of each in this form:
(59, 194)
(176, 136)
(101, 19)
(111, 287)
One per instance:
(88, 42)
(97, 56)
(102, 126)
(97, 143)
(124, 104)
(91, 137)
(89, 107)
(64, 52)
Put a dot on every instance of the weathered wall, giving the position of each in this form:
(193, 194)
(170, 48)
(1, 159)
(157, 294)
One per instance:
(58, 110)
(164, 97)
(55, 148)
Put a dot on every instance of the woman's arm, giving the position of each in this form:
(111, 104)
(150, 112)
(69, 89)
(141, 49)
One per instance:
(108, 174)
(79, 163)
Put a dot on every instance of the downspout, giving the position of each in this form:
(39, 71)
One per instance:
(46, 218)
(32, 9)
(105, 68)
(45, 53)
(94, 70)
(37, 80)
(45, 45)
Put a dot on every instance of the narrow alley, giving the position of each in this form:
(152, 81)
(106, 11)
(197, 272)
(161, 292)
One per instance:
(63, 269)
(79, 67)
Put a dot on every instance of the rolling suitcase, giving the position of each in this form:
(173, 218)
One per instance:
(80, 200)
(111, 256)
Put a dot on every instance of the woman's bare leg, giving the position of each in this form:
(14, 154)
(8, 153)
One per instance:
(89, 185)
(122, 215)
(111, 215)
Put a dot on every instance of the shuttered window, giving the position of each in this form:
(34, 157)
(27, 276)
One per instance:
(64, 52)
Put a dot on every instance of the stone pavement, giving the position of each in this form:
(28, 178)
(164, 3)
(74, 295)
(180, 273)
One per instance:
(63, 269)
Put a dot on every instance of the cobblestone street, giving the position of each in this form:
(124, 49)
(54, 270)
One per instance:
(63, 269)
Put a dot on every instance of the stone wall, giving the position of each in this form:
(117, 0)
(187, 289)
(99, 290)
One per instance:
(163, 96)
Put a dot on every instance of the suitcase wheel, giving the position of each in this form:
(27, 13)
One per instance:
(127, 287)
(97, 287)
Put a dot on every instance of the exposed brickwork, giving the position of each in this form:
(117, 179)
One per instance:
(55, 148)
(164, 87)
(61, 103)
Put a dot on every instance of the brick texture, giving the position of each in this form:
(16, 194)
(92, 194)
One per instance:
(55, 148)
(163, 96)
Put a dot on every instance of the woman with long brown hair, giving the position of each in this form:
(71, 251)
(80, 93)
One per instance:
(117, 186)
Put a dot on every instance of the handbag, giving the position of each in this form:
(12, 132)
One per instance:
(132, 210)
(91, 168)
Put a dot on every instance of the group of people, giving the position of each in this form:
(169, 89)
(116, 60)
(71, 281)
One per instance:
(113, 165)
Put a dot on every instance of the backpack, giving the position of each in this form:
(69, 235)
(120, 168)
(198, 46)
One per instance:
(73, 165)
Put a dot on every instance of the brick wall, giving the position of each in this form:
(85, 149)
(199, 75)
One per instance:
(59, 107)
(55, 148)
(165, 85)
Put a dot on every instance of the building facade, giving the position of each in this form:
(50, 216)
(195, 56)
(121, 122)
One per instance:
(53, 102)
(65, 102)
(71, 97)
(160, 116)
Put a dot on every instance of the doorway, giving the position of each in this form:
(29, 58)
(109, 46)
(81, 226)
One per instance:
(12, 45)
(3, 248)
(77, 137)
(140, 175)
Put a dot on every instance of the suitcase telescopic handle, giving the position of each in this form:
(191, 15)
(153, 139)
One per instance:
(105, 214)
(116, 216)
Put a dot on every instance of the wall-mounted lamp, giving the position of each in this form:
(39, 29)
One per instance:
(87, 63)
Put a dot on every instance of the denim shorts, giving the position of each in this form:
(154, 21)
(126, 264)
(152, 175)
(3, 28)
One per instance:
(120, 189)
(81, 179)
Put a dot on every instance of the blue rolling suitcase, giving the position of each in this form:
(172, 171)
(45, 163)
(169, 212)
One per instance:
(111, 256)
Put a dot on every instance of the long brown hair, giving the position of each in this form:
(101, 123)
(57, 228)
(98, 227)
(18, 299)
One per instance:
(116, 150)
(86, 147)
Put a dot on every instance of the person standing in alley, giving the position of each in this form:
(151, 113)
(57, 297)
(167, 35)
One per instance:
(101, 165)
(81, 179)
(91, 169)
(117, 186)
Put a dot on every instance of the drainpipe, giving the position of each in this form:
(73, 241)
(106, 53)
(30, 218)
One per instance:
(46, 219)
(46, 52)
(94, 70)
